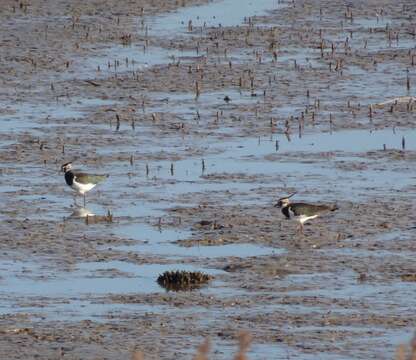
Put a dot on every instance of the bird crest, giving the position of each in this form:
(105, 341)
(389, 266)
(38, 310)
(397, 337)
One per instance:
(284, 201)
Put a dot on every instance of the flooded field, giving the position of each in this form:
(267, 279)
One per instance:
(204, 114)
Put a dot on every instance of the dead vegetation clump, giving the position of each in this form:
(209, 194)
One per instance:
(407, 352)
(95, 219)
(244, 341)
(183, 280)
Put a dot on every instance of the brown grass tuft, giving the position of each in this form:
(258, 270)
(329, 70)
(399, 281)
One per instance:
(137, 355)
(203, 350)
(413, 348)
(183, 280)
(407, 352)
(244, 341)
(401, 352)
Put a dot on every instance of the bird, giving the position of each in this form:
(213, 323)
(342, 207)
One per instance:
(302, 212)
(80, 182)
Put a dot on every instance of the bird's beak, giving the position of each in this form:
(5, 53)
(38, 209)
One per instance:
(277, 204)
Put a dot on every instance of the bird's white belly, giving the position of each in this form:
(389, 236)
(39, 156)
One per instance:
(81, 188)
(303, 218)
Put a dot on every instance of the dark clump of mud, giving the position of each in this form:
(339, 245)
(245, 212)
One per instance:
(183, 280)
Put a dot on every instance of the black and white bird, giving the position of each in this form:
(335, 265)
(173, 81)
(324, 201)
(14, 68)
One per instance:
(81, 182)
(302, 212)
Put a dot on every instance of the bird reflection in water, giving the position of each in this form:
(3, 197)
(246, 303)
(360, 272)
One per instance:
(81, 212)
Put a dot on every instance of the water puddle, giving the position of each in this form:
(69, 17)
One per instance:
(79, 310)
(8, 188)
(370, 86)
(217, 251)
(387, 238)
(160, 241)
(182, 104)
(281, 351)
(377, 22)
(234, 156)
(213, 14)
(134, 58)
(38, 286)
(229, 165)
(115, 277)
(346, 286)
(27, 115)
(255, 157)
(147, 233)
(349, 141)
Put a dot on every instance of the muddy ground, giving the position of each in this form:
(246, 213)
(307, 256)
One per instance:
(201, 128)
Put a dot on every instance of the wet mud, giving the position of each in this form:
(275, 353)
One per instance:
(204, 113)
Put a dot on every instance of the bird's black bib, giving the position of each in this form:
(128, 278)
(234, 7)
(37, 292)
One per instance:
(286, 212)
(69, 178)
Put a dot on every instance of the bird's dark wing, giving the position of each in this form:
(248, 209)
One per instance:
(84, 178)
(309, 209)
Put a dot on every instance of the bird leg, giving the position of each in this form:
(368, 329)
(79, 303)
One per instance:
(300, 230)
(84, 200)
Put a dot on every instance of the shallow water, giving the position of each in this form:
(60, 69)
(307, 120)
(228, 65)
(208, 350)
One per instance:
(62, 309)
(130, 59)
(346, 286)
(237, 163)
(146, 233)
(233, 167)
(219, 251)
(185, 104)
(64, 291)
(135, 58)
(213, 14)
(25, 116)
(29, 279)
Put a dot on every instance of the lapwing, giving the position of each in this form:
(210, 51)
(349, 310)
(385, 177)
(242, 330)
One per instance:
(81, 182)
(302, 212)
